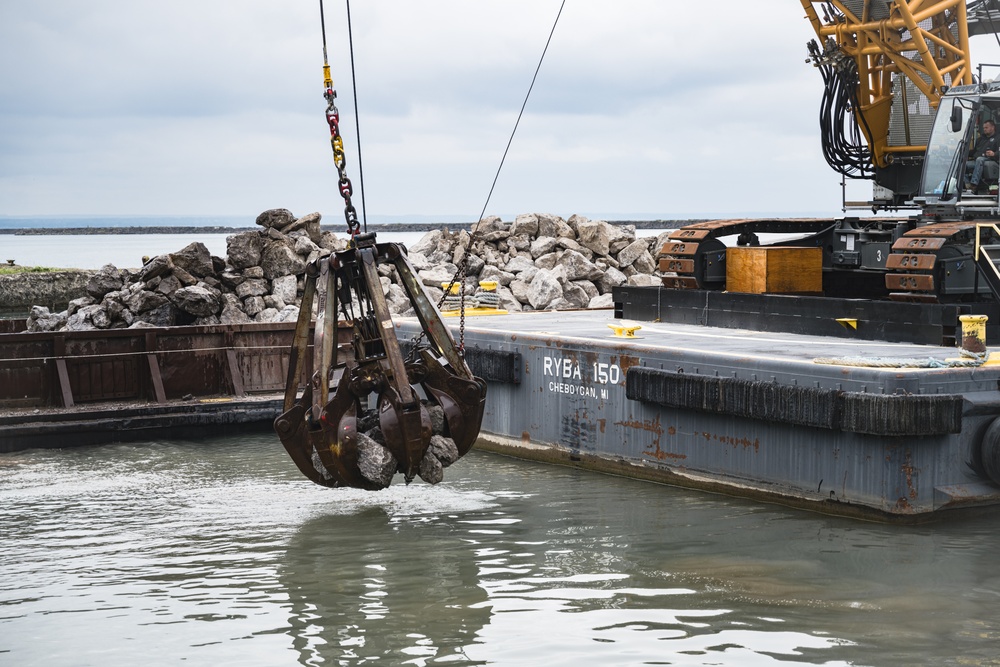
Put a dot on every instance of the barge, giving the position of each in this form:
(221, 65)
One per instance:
(771, 415)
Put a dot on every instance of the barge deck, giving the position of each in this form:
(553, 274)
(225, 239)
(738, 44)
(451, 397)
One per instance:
(741, 412)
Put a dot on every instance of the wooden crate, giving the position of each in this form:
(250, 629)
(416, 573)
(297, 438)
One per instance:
(774, 270)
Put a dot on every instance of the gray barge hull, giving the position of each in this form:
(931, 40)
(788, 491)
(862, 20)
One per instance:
(739, 412)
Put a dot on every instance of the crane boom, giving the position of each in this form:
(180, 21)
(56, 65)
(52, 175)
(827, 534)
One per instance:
(894, 59)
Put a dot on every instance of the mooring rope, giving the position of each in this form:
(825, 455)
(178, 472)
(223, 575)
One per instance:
(971, 360)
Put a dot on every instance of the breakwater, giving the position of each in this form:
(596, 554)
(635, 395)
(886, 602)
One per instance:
(222, 229)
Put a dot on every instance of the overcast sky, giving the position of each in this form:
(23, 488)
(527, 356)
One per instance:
(643, 108)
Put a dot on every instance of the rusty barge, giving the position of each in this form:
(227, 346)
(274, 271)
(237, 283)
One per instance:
(747, 412)
(64, 389)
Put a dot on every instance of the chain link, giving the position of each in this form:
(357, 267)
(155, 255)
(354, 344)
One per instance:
(340, 160)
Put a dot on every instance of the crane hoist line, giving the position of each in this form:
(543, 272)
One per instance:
(368, 411)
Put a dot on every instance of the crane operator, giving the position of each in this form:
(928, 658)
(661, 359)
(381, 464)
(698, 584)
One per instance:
(983, 158)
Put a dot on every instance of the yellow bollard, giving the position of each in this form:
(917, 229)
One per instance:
(450, 288)
(973, 332)
(624, 330)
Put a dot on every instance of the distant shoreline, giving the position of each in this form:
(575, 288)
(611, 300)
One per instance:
(219, 229)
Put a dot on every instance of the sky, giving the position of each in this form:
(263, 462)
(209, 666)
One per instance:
(643, 109)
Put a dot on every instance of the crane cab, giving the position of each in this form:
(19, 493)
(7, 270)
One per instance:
(948, 163)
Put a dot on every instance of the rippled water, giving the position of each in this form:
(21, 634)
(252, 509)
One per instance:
(215, 552)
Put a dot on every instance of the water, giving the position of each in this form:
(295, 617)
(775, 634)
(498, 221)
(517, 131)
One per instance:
(125, 251)
(216, 552)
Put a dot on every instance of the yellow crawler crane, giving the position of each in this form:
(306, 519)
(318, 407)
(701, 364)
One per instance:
(887, 63)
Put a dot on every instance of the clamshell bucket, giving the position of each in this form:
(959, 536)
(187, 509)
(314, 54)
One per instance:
(368, 412)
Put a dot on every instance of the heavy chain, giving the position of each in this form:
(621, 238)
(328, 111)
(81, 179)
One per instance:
(340, 159)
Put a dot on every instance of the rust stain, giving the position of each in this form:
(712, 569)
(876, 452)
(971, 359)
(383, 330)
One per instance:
(601, 423)
(908, 471)
(525, 437)
(661, 455)
(902, 504)
(671, 430)
(645, 425)
(733, 441)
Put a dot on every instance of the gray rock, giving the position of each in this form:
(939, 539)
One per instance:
(526, 224)
(492, 223)
(588, 287)
(543, 245)
(100, 318)
(579, 267)
(493, 273)
(602, 301)
(547, 224)
(233, 315)
(252, 287)
(108, 279)
(304, 246)
(495, 236)
(443, 449)
(549, 261)
(195, 259)
(253, 272)
(544, 289)
(520, 242)
(474, 265)
(167, 285)
(158, 266)
(419, 260)
(644, 280)
(268, 315)
(574, 296)
(114, 304)
(436, 414)
(77, 304)
(289, 313)
(277, 259)
(307, 223)
(631, 252)
(244, 249)
(271, 301)
(230, 280)
(198, 300)
(81, 319)
(144, 301)
(397, 300)
(332, 242)
(594, 234)
(186, 279)
(40, 319)
(520, 290)
(210, 320)
(285, 288)
(275, 217)
(437, 275)
(431, 470)
(253, 305)
(375, 462)
(518, 264)
(164, 315)
(612, 278)
(528, 274)
(508, 301)
(644, 263)
(428, 243)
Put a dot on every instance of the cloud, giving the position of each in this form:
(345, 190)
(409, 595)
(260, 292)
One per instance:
(215, 107)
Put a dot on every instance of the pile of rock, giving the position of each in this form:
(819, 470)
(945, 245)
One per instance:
(540, 262)
(257, 282)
